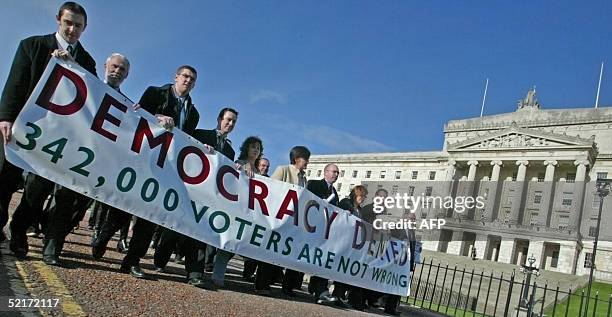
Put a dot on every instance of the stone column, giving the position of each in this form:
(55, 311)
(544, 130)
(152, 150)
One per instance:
(579, 187)
(481, 246)
(519, 186)
(468, 188)
(496, 169)
(548, 193)
(472, 172)
(536, 248)
(494, 187)
(456, 243)
(506, 249)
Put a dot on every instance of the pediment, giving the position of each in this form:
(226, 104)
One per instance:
(516, 137)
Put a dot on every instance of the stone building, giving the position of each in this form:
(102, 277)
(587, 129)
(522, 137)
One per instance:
(535, 169)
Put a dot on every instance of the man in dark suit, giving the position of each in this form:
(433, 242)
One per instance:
(198, 254)
(263, 166)
(324, 189)
(172, 106)
(29, 63)
(67, 204)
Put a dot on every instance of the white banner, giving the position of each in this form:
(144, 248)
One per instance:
(78, 132)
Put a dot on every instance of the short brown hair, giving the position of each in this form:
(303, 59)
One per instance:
(74, 7)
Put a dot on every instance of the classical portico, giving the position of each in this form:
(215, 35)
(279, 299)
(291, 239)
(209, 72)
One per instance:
(535, 170)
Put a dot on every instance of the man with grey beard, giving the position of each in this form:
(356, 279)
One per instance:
(66, 202)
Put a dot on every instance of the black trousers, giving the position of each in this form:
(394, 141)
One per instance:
(10, 180)
(317, 285)
(139, 244)
(61, 218)
(29, 211)
(250, 266)
(292, 279)
(193, 250)
(115, 220)
(266, 275)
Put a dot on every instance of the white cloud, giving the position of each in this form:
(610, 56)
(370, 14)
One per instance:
(268, 95)
(333, 140)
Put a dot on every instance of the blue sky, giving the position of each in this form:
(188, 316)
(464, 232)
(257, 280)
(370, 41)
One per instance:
(346, 76)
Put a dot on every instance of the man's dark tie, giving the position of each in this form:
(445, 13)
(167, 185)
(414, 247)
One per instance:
(70, 50)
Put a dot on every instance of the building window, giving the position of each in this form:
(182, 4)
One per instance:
(555, 259)
(563, 222)
(410, 190)
(354, 174)
(592, 231)
(432, 175)
(398, 174)
(537, 197)
(567, 199)
(540, 177)
(342, 173)
(368, 174)
(351, 187)
(534, 218)
(602, 175)
(428, 191)
(514, 176)
(308, 174)
(588, 258)
(415, 174)
(319, 173)
(394, 189)
(382, 174)
(571, 177)
(339, 186)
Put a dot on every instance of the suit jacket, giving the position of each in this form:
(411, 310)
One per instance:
(287, 174)
(161, 100)
(210, 137)
(33, 55)
(320, 189)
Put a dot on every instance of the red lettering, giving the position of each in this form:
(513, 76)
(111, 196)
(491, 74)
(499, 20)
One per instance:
(164, 139)
(222, 171)
(201, 177)
(103, 115)
(310, 204)
(44, 99)
(261, 196)
(291, 197)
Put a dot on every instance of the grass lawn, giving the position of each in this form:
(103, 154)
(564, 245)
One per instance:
(605, 290)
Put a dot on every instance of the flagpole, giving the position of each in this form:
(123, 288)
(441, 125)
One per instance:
(484, 97)
(598, 85)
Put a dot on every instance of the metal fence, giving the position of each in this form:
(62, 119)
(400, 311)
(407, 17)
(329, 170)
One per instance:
(467, 292)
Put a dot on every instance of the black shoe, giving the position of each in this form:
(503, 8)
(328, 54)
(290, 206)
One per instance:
(137, 272)
(19, 248)
(122, 246)
(97, 252)
(160, 269)
(208, 268)
(2, 236)
(197, 282)
(51, 260)
(289, 292)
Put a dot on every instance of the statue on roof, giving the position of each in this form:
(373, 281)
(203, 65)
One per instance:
(530, 100)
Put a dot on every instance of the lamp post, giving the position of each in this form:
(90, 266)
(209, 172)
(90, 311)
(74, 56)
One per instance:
(603, 189)
(528, 270)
